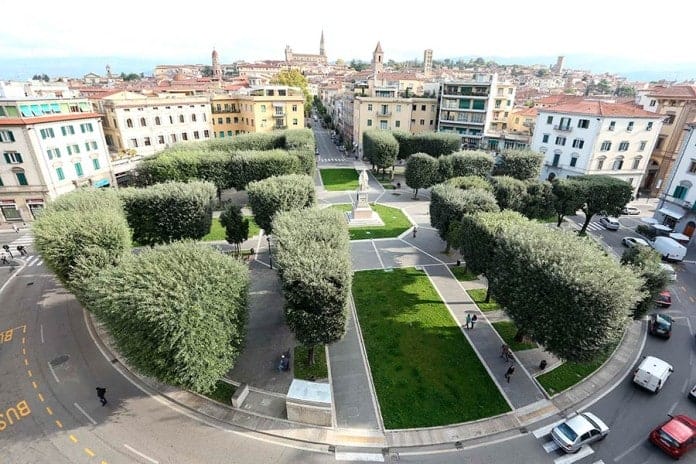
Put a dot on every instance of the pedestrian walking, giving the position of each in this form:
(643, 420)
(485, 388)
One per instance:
(504, 349)
(509, 372)
(415, 229)
(468, 320)
(101, 394)
(16, 229)
(474, 318)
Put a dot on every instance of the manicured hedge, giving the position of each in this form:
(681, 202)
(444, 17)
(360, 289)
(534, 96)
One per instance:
(520, 164)
(282, 193)
(465, 163)
(380, 147)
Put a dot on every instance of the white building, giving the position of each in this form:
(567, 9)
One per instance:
(677, 204)
(596, 137)
(49, 147)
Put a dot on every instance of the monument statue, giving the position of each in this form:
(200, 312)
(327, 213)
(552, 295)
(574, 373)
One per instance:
(363, 181)
(362, 213)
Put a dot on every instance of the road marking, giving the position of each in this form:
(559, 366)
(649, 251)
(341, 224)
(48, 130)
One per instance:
(569, 458)
(26, 362)
(629, 450)
(41, 398)
(42, 339)
(85, 413)
(371, 457)
(140, 454)
(73, 438)
(53, 372)
(23, 340)
(550, 446)
(49, 411)
(89, 452)
(29, 372)
(671, 410)
(598, 462)
(24, 351)
(34, 384)
(377, 253)
(59, 424)
(540, 432)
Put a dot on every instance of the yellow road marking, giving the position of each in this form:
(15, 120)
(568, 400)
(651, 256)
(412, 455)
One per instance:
(41, 397)
(24, 329)
(24, 351)
(26, 362)
(59, 424)
(89, 452)
(73, 438)
(28, 372)
(23, 340)
(34, 384)
(49, 411)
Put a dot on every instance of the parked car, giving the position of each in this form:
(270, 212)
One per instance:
(652, 373)
(671, 273)
(610, 223)
(692, 394)
(676, 436)
(579, 430)
(660, 325)
(664, 299)
(632, 242)
(669, 249)
(630, 210)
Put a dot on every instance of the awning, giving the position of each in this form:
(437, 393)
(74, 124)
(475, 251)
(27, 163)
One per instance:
(101, 183)
(677, 236)
(649, 220)
(669, 212)
(661, 227)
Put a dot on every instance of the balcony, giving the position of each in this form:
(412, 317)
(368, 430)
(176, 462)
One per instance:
(562, 128)
(383, 114)
(678, 201)
(279, 114)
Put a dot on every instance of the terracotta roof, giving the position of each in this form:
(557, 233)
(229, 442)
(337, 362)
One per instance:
(525, 111)
(557, 99)
(600, 108)
(42, 119)
(676, 91)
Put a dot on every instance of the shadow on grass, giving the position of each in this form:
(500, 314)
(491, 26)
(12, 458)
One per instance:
(425, 372)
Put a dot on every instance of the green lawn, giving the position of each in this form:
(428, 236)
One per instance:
(507, 331)
(395, 223)
(223, 392)
(217, 232)
(462, 273)
(302, 369)
(479, 296)
(425, 372)
(339, 179)
(569, 373)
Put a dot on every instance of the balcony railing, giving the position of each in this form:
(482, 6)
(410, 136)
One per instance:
(563, 128)
(279, 115)
(678, 201)
(383, 114)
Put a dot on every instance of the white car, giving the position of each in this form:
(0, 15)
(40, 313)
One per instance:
(671, 273)
(632, 242)
(577, 431)
(630, 210)
(610, 223)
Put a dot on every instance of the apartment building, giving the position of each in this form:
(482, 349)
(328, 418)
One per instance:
(50, 146)
(257, 110)
(596, 137)
(677, 207)
(677, 106)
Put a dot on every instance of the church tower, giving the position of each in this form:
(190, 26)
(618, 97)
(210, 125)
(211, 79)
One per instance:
(377, 59)
(217, 69)
(322, 51)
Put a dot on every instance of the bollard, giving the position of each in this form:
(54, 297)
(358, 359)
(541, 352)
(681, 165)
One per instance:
(542, 364)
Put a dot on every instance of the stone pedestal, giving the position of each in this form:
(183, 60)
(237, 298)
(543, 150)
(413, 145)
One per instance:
(362, 214)
(309, 402)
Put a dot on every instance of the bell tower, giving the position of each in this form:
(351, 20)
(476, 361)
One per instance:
(217, 69)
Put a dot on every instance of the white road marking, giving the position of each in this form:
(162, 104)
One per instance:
(569, 458)
(550, 446)
(377, 253)
(85, 413)
(140, 454)
(629, 450)
(671, 410)
(42, 337)
(53, 372)
(371, 457)
(545, 430)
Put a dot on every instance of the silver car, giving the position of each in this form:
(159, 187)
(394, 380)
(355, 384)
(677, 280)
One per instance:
(610, 223)
(577, 431)
(632, 242)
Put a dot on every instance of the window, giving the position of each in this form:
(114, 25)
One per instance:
(95, 164)
(636, 162)
(133, 143)
(649, 126)
(670, 118)
(573, 161)
(564, 124)
(263, 108)
(21, 178)
(173, 137)
(219, 120)
(229, 133)
(398, 108)
(653, 102)
(196, 135)
(160, 139)
(60, 174)
(545, 138)
(193, 118)
(206, 134)
(556, 159)
(397, 124)
(600, 163)
(383, 125)
(78, 169)
(479, 105)
(143, 123)
(76, 149)
(184, 136)
(642, 145)
(369, 123)
(8, 136)
(294, 121)
(660, 141)
(623, 146)
(692, 167)
(630, 126)
(171, 119)
(53, 153)
(422, 107)
(86, 146)
(606, 146)
(422, 122)
(45, 133)
(583, 123)
(549, 120)
(560, 140)
(12, 157)
(578, 143)
(222, 134)
(680, 192)
(228, 120)
(618, 164)
(129, 123)
(369, 107)
(146, 141)
(181, 118)
(87, 127)
(612, 125)
(157, 121)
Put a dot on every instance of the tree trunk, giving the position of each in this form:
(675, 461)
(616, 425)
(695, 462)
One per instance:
(415, 193)
(310, 355)
(488, 295)
(560, 219)
(447, 247)
(519, 336)
(588, 218)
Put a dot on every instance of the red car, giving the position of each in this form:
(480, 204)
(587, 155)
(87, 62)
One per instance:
(664, 299)
(676, 436)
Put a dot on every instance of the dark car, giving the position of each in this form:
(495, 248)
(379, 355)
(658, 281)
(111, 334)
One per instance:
(660, 325)
(664, 299)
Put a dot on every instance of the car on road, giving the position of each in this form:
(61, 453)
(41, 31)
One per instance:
(676, 436)
(610, 223)
(664, 299)
(671, 273)
(579, 430)
(660, 325)
(630, 210)
(632, 242)
(652, 373)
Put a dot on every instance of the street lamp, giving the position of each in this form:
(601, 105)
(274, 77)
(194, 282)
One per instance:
(270, 256)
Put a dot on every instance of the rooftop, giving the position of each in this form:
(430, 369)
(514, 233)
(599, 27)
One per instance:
(602, 109)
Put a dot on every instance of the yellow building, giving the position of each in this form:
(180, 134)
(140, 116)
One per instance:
(521, 120)
(257, 110)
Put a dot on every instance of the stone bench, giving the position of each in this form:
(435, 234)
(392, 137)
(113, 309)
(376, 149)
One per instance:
(240, 395)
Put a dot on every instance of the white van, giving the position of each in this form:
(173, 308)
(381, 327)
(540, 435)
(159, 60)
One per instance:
(652, 373)
(669, 249)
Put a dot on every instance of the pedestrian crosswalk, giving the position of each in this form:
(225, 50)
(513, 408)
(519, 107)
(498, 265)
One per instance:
(24, 240)
(593, 226)
(33, 260)
(334, 160)
(552, 448)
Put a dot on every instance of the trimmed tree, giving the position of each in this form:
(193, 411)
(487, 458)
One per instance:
(236, 226)
(539, 200)
(182, 324)
(603, 194)
(380, 148)
(421, 170)
(282, 193)
(568, 197)
(470, 182)
(312, 249)
(466, 163)
(510, 193)
(520, 164)
(646, 263)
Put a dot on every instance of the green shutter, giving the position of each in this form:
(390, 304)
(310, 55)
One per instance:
(22, 179)
(78, 169)
(59, 173)
(95, 163)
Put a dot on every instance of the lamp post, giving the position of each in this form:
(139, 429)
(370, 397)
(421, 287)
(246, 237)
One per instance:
(270, 255)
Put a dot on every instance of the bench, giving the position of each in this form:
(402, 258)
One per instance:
(240, 395)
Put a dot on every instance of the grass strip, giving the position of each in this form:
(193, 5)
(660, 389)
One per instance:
(479, 297)
(339, 179)
(302, 369)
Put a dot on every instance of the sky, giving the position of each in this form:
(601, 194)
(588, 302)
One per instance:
(619, 33)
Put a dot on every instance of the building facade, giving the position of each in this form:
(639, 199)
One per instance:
(49, 147)
(257, 110)
(677, 207)
(299, 59)
(595, 137)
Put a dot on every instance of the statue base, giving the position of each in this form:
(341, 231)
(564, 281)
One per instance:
(363, 217)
